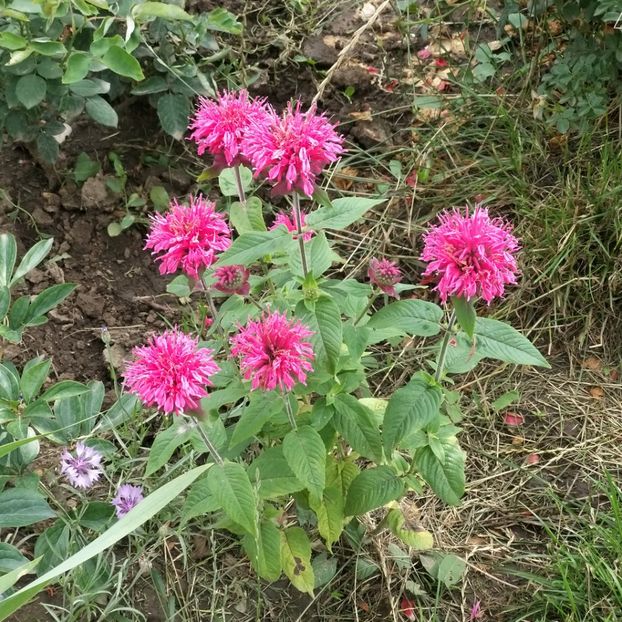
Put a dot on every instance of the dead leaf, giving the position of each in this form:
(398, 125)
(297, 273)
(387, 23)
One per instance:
(518, 440)
(597, 393)
(592, 363)
(364, 115)
(343, 177)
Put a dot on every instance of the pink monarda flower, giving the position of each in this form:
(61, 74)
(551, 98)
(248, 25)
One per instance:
(188, 236)
(384, 274)
(289, 222)
(83, 467)
(128, 497)
(274, 351)
(171, 372)
(232, 280)
(472, 254)
(220, 125)
(292, 149)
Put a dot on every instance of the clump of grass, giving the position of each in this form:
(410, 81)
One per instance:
(581, 581)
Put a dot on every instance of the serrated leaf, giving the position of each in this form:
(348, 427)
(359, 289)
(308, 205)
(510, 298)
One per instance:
(271, 474)
(165, 443)
(329, 329)
(296, 559)
(410, 408)
(357, 426)
(250, 247)
(231, 487)
(500, 341)
(122, 63)
(35, 255)
(101, 111)
(199, 500)
(305, 453)
(173, 112)
(329, 510)
(30, 90)
(465, 314)
(412, 317)
(371, 489)
(265, 551)
(262, 407)
(445, 478)
(320, 256)
(22, 506)
(341, 214)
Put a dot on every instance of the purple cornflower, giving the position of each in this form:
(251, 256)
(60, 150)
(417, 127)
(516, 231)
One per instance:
(83, 468)
(127, 497)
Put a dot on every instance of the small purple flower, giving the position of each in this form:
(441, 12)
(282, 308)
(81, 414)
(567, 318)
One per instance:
(82, 469)
(127, 497)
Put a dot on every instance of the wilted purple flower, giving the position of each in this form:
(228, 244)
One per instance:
(82, 469)
(127, 497)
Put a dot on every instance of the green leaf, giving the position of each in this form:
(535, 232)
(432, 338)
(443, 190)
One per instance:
(96, 515)
(320, 256)
(357, 426)
(145, 510)
(305, 453)
(77, 68)
(328, 329)
(265, 551)
(48, 147)
(151, 10)
(445, 478)
(122, 63)
(371, 489)
(271, 474)
(179, 286)
(247, 218)
(48, 299)
(341, 214)
(35, 255)
(465, 314)
(250, 247)
(11, 41)
(8, 255)
(90, 87)
(22, 506)
(504, 400)
(165, 443)
(10, 558)
(222, 20)
(262, 407)
(500, 341)
(173, 112)
(30, 90)
(8, 580)
(227, 184)
(296, 559)
(48, 48)
(418, 539)
(159, 197)
(101, 111)
(410, 408)
(232, 489)
(33, 376)
(5, 301)
(412, 317)
(64, 389)
(199, 501)
(9, 382)
(85, 167)
(330, 514)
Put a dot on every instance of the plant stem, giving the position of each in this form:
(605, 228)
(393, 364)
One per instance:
(301, 242)
(366, 309)
(213, 451)
(443, 353)
(214, 312)
(239, 185)
(290, 413)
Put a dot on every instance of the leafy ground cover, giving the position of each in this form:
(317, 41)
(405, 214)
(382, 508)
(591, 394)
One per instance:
(440, 105)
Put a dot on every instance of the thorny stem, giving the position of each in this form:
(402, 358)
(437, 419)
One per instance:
(301, 242)
(213, 451)
(443, 353)
(239, 184)
(366, 309)
(290, 413)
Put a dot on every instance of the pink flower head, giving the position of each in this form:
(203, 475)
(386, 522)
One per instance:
(291, 150)
(289, 222)
(385, 274)
(274, 351)
(476, 611)
(472, 254)
(232, 280)
(128, 497)
(188, 236)
(83, 468)
(171, 372)
(220, 125)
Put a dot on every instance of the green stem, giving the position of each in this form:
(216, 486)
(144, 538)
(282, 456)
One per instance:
(366, 309)
(239, 185)
(440, 366)
(290, 413)
(301, 242)
(210, 446)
